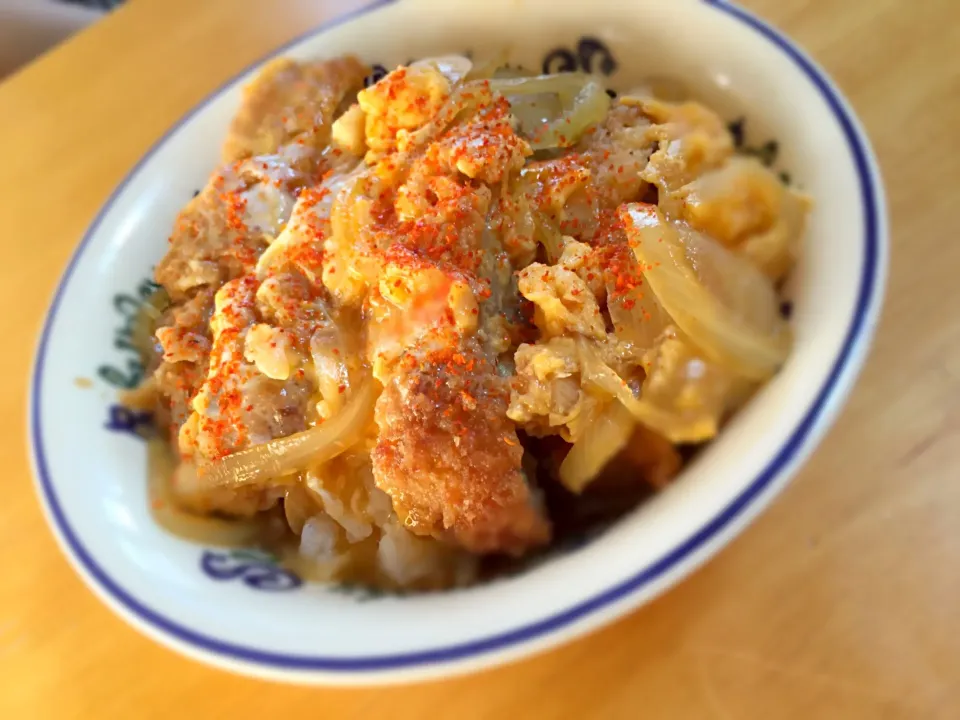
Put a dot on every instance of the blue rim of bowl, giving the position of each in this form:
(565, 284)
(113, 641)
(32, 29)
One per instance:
(859, 330)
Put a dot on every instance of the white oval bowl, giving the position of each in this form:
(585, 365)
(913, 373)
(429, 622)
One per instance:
(250, 617)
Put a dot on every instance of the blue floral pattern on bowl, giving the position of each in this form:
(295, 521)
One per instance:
(254, 568)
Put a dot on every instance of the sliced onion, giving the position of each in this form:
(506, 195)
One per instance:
(548, 234)
(166, 500)
(328, 353)
(638, 319)
(566, 85)
(505, 72)
(720, 301)
(698, 392)
(679, 379)
(307, 215)
(603, 439)
(453, 67)
(145, 323)
(286, 455)
(587, 99)
(594, 372)
(495, 67)
(534, 111)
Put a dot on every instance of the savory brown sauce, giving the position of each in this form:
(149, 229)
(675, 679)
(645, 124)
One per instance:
(270, 532)
(208, 529)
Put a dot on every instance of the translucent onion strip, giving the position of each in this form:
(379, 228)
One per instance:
(720, 301)
(596, 373)
(453, 67)
(587, 99)
(602, 440)
(286, 455)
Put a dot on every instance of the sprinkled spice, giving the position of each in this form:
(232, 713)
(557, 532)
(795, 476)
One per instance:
(415, 273)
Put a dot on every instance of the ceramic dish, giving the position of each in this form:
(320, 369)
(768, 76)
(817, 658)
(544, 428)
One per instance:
(239, 610)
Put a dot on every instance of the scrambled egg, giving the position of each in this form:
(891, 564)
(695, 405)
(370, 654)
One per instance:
(401, 102)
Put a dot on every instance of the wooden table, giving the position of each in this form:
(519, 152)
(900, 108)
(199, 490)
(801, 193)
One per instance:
(842, 601)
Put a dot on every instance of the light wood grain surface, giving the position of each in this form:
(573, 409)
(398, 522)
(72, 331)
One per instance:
(842, 601)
